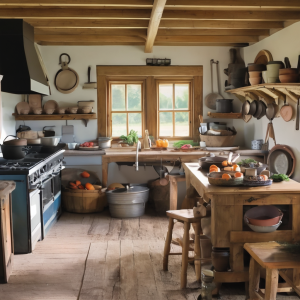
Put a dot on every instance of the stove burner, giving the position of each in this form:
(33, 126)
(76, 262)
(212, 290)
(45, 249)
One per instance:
(15, 165)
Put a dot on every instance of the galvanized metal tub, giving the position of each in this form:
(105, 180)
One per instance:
(128, 202)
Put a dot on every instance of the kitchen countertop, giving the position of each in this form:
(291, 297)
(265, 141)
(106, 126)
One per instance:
(83, 153)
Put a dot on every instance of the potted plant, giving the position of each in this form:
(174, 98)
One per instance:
(131, 139)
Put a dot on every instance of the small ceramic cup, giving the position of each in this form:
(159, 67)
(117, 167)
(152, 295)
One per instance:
(202, 144)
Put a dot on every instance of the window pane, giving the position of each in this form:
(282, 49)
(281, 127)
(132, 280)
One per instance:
(135, 123)
(182, 124)
(134, 96)
(181, 96)
(165, 96)
(165, 124)
(119, 124)
(118, 96)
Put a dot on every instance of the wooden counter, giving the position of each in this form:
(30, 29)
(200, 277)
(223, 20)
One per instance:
(227, 215)
(167, 155)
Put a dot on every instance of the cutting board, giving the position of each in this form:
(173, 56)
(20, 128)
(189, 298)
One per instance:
(30, 134)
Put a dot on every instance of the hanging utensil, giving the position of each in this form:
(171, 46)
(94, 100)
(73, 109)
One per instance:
(253, 108)
(287, 63)
(286, 111)
(297, 116)
(271, 112)
(263, 109)
(210, 99)
(298, 66)
(48, 133)
(89, 84)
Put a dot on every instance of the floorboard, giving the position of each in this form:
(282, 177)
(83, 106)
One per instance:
(96, 257)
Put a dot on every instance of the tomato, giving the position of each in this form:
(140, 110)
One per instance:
(91, 144)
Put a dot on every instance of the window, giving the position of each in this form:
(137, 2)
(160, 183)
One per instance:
(174, 109)
(126, 108)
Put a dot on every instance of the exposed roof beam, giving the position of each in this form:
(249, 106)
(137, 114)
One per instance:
(206, 39)
(133, 23)
(156, 14)
(232, 15)
(74, 13)
(253, 4)
(129, 3)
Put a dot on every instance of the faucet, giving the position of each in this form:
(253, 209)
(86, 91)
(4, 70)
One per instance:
(138, 146)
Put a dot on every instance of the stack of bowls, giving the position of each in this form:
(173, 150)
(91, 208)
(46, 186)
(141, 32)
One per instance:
(255, 73)
(272, 73)
(264, 218)
(290, 75)
(257, 144)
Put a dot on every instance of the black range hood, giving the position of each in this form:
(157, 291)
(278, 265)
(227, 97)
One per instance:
(19, 62)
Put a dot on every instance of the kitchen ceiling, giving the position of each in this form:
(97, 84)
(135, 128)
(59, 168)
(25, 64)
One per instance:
(146, 22)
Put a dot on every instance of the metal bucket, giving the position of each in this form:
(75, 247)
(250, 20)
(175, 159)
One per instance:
(128, 202)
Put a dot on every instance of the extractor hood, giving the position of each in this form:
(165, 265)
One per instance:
(19, 62)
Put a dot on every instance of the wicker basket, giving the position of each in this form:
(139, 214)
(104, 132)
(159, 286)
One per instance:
(83, 201)
(217, 140)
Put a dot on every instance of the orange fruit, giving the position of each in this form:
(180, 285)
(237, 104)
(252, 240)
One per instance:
(77, 182)
(85, 174)
(236, 168)
(213, 170)
(226, 176)
(225, 163)
(72, 184)
(264, 177)
(81, 187)
(238, 174)
(89, 186)
(228, 169)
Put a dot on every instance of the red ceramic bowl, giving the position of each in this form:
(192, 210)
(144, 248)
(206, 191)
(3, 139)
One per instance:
(264, 215)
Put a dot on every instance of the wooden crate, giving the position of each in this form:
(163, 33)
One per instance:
(84, 201)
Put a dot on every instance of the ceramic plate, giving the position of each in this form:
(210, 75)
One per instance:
(280, 162)
(51, 104)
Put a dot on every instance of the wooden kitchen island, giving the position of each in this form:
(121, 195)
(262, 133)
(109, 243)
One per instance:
(227, 213)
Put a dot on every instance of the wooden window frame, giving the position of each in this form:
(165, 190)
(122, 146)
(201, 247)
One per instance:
(109, 104)
(190, 107)
(149, 74)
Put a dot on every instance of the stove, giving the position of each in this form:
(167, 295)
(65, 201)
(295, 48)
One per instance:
(36, 201)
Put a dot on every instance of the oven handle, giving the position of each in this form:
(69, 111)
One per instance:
(45, 181)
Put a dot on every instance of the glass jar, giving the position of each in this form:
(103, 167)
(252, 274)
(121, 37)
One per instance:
(207, 285)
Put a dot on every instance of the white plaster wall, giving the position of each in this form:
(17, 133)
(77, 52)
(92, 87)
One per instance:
(285, 43)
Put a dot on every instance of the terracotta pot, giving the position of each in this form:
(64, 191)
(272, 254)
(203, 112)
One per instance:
(254, 74)
(288, 71)
(289, 78)
(263, 215)
(220, 259)
(256, 67)
(256, 80)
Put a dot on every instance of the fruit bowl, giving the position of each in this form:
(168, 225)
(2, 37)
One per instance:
(215, 178)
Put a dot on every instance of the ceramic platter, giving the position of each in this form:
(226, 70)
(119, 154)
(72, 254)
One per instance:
(280, 162)
(94, 148)
(263, 57)
(51, 104)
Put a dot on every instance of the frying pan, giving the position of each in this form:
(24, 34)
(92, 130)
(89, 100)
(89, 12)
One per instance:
(246, 108)
(286, 111)
(210, 99)
(253, 107)
(66, 79)
(263, 110)
(271, 111)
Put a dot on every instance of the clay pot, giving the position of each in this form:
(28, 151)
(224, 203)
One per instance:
(72, 110)
(61, 110)
(37, 111)
(220, 259)
(254, 74)
(289, 78)
(263, 215)
(288, 71)
(255, 80)
(256, 67)
(85, 109)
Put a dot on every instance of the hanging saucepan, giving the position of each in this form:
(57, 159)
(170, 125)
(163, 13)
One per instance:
(253, 107)
(66, 79)
(263, 109)
(271, 111)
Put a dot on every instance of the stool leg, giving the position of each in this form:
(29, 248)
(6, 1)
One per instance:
(197, 257)
(254, 277)
(168, 244)
(271, 284)
(185, 255)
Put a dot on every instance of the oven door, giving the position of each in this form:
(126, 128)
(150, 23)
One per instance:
(35, 217)
(47, 193)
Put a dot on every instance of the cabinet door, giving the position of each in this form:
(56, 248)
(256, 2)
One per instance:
(6, 234)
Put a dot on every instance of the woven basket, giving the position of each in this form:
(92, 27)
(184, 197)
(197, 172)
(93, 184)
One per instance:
(218, 141)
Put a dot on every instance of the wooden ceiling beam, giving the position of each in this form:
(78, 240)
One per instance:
(234, 4)
(232, 15)
(206, 39)
(156, 14)
(133, 23)
(85, 3)
(175, 32)
(74, 13)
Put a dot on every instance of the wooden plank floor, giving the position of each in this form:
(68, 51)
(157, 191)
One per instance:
(96, 257)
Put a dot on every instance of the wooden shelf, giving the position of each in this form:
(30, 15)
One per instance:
(225, 115)
(268, 92)
(56, 117)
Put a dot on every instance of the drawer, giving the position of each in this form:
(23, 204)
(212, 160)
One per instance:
(266, 199)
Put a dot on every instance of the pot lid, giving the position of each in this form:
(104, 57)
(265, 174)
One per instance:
(130, 190)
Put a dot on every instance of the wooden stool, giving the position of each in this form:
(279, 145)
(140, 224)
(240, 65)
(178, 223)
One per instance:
(186, 217)
(273, 256)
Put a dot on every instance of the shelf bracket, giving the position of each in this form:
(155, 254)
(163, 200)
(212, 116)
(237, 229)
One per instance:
(85, 121)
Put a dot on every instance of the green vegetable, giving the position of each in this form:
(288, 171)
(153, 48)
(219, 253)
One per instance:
(280, 177)
(247, 161)
(179, 144)
(131, 138)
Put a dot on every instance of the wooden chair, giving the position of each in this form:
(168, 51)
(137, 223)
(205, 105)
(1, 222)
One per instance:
(185, 216)
(273, 257)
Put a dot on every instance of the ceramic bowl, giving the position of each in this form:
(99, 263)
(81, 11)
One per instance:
(256, 67)
(49, 111)
(37, 111)
(73, 110)
(254, 74)
(264, 229)
(85, 109)
(263, 215)
(61, 110)
(256, 80)
(71, 146)
(265, 76)
(288, 71)
(273, 80)
(24, 111)
(289, 78)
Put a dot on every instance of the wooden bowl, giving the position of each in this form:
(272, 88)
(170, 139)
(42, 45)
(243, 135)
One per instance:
(289, 78)
(255, 80)
(256, 67)
(288, 71)
(254, 74)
